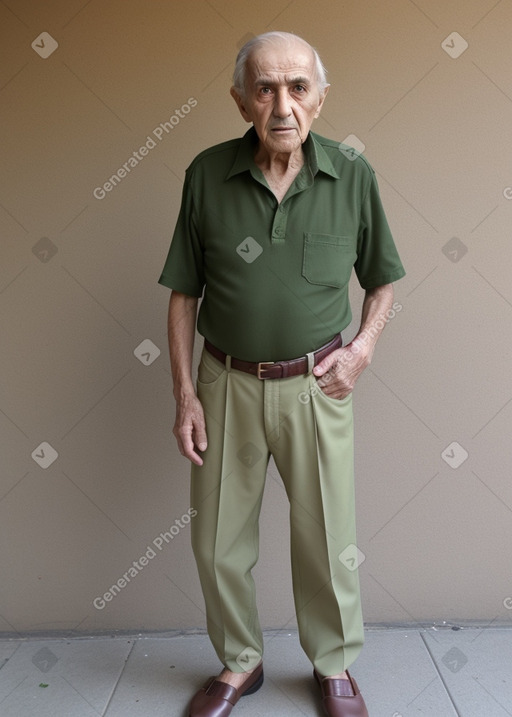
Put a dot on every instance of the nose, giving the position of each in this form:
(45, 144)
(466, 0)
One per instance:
(282, 105)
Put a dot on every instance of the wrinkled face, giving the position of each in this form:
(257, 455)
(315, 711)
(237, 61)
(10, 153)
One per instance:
(282, 97)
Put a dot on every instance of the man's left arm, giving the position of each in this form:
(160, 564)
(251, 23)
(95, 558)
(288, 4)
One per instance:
(339, 371)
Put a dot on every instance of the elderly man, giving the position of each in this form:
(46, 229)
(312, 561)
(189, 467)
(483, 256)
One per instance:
(270, 228)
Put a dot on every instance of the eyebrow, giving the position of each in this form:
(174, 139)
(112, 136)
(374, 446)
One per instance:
(299, 80)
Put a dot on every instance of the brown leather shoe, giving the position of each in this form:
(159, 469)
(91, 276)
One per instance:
(340, 697)
(217, 699)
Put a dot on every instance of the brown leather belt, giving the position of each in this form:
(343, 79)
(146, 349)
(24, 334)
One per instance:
(278, 369)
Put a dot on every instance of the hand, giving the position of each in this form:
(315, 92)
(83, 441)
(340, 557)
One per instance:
(339, 371)
(189, 428)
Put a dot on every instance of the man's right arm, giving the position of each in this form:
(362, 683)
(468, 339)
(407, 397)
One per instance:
(189, 427)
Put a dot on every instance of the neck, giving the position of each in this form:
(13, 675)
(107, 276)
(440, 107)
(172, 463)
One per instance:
(279, 163)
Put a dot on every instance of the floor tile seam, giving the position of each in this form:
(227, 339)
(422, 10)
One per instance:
(6, 660)
(443, 681)
(119, 677)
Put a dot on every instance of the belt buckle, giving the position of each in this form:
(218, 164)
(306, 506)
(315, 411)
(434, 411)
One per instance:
(261, 367)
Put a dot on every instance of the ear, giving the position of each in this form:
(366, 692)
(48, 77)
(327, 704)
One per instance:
(321, 101)
(240, 104)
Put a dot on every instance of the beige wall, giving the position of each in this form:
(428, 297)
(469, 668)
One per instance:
(78, 296)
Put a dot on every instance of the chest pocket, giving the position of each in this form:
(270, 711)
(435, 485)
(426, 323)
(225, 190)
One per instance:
(328, 259)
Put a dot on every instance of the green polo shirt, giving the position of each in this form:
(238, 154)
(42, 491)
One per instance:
(275, 276)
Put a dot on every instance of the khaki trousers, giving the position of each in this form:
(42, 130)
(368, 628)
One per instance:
(310, 436)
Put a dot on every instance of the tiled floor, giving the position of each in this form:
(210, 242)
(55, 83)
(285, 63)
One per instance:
(431, 672)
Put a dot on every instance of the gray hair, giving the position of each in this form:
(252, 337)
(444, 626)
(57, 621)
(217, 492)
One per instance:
(267, 38)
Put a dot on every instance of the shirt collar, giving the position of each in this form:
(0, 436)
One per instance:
(316, 157)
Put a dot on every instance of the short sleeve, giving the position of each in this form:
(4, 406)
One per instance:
(377, 261)
(184, 267)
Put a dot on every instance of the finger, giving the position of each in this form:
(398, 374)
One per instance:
(189, 452)
(199, 433)
(325, 364)
(186, 445)
(336, 389)
(195, 458)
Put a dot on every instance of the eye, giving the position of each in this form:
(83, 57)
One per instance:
(265, 90)
(300, 88)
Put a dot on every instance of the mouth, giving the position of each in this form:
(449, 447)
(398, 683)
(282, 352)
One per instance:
(283, 130)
